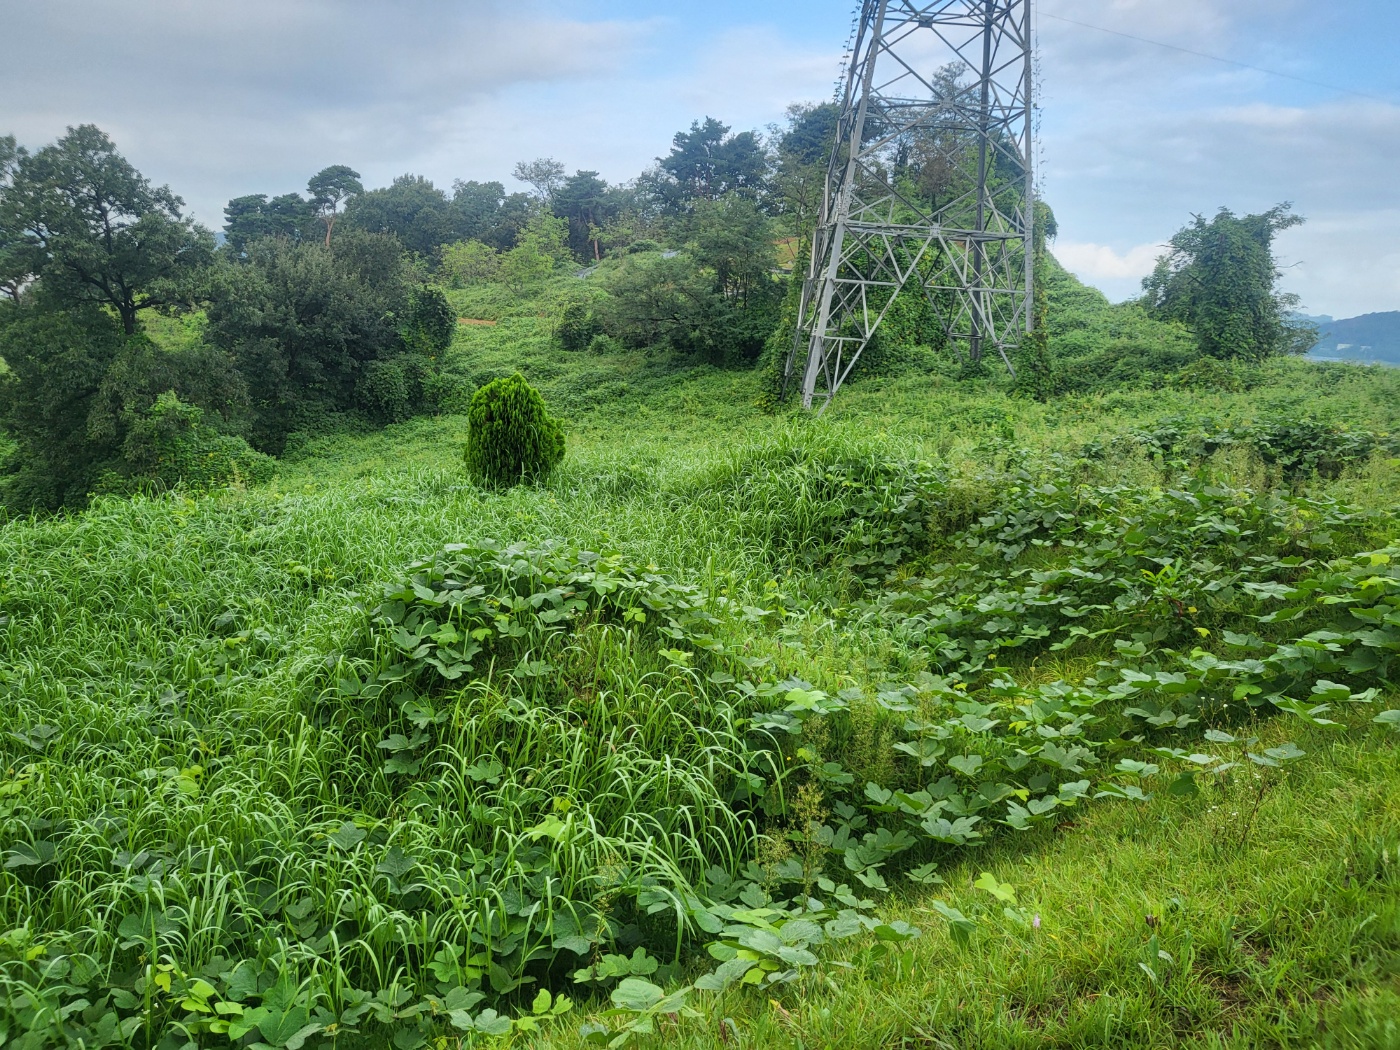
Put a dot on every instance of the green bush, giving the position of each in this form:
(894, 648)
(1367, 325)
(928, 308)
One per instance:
(577, 327)
(605, 344)
(170, 445)
(431, 322)
(446, 393)
(392, 390)
(512, 437)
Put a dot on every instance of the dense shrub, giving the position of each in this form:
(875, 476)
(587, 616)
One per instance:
(76, 391)
(512, 438)
(605, 344)
(170, 445)
(431, 322)
(57, 360)
(1297, 447)
(444, 392)
(468, 262)
(301, 322)
(577, 327)
(391, 390)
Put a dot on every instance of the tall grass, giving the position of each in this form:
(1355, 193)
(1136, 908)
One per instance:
(193, 774)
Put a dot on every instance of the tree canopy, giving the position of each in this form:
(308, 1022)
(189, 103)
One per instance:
(706, 163)
(412, 209)
(1219, 278)
(329, 189)
(247, 219)
(96, 231)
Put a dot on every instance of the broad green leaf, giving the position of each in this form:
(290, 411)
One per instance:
(987, 882)
(638, 995)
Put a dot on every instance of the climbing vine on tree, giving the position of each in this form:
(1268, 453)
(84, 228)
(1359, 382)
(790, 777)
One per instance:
(1219, 277)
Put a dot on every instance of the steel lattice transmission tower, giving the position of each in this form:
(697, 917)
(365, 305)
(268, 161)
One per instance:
(930, 188)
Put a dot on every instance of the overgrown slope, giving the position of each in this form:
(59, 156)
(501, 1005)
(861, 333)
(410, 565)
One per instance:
(865, 710)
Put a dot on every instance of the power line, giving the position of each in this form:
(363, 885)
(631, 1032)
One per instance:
(1217, 58)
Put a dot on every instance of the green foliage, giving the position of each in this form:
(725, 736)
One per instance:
(860, 667)
(540, 249)
(915, 643)
(58, 360)
(708, 163)
(799, 176)
(487, 214)
(466, 263)
(14, 262)
(1219, 279)
(301, 322)
(654, 300)
(391, 390)
(716, 300)
(200, 375)
(1034, 366)
(169, 445)
(430, 322)
(328, 189)
(513, 438)
(577, 326)
(96, 231)
(1299, 448)
(251, 218)
(585, 202)
(411, 208)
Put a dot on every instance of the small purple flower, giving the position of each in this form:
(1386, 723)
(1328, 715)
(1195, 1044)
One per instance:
(1035, 923)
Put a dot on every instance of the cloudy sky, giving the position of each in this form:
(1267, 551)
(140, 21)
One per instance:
(220, 98)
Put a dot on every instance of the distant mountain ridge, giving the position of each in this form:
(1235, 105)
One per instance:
(1370, 338)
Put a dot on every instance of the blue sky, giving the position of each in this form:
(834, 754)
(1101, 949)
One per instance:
(220, 98)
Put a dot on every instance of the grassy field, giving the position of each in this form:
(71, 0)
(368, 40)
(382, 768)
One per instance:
(931, 720)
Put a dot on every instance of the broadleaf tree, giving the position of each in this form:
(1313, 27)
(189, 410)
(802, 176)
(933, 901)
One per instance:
(1220, 277)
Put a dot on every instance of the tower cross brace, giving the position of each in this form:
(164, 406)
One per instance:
(930, 187)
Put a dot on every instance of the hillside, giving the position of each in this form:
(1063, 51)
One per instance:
(1368, 338)
(950, 718)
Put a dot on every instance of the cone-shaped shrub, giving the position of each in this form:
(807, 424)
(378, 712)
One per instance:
(513, 438)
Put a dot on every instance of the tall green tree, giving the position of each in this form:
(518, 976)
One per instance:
(541, 248)
(255, 216)
(412, 209)
(329, 189)
(733, 240)
(13, 267)
(706, 163)
(93, 229)
(484, 212)
(716, 299)
(57, 360)
(545, 175)
(800, 165)
(77, 386)
(583, 201)
(1220, 278)
(302, 323)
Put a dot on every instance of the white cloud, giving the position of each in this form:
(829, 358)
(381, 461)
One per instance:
(1098, 262)
(1344, 263)
(224, 99)
(1130, 172)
